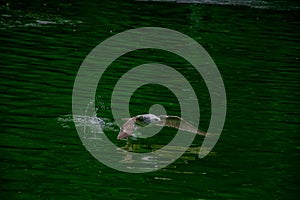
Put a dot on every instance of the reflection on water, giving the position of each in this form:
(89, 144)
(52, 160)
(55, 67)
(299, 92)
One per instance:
(256, 51)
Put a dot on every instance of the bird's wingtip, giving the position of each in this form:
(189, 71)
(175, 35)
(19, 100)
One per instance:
(122, 135)
(202, 133)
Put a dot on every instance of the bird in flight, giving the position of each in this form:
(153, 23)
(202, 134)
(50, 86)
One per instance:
(140, 121)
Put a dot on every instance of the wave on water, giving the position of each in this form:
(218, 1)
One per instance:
(11, 18)
(259, 4)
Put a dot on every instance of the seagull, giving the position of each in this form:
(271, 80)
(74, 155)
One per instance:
(140, 121)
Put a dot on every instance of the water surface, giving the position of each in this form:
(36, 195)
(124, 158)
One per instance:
(255, 46)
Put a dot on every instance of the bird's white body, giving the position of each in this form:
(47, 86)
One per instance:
(147, 119)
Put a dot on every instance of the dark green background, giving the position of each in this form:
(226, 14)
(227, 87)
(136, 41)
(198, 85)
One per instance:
(255, 46)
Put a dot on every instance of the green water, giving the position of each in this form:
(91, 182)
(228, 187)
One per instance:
(256, 50)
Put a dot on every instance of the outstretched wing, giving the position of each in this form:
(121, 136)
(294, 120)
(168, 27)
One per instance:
(127, 129)
(179, 123)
